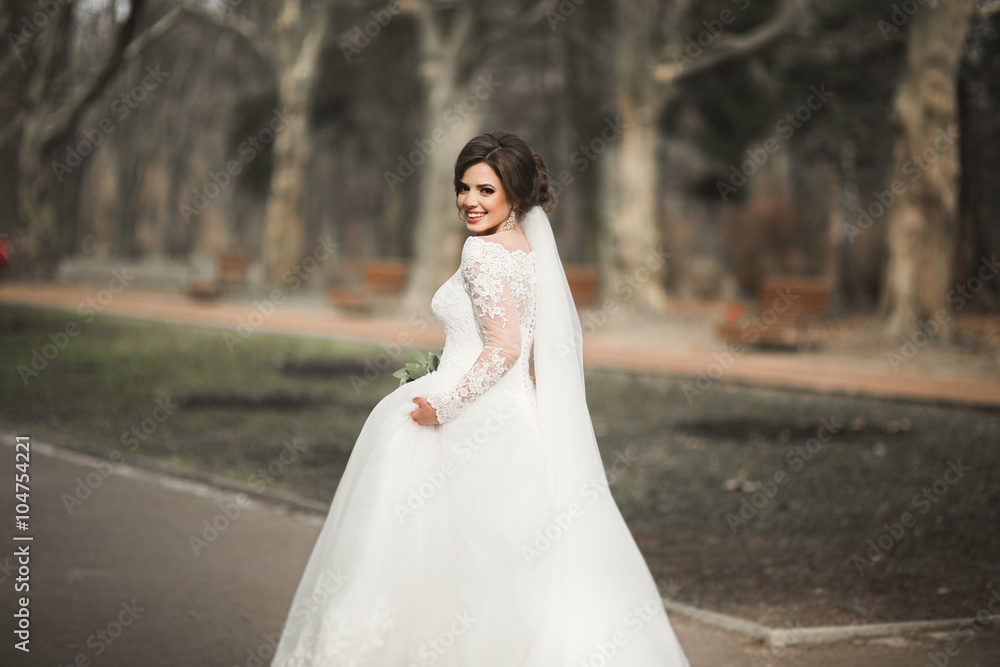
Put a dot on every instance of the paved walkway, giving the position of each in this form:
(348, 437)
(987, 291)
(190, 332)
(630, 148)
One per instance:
(116, 582)
(683, 345)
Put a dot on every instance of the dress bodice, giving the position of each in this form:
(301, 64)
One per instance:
(487, 310)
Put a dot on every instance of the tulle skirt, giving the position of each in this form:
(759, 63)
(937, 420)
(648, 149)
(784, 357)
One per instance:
(446, 546)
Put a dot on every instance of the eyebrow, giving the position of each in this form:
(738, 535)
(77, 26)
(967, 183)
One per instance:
(481, 185)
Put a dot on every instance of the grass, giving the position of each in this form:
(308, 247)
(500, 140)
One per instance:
(234, 409)
(792, 559)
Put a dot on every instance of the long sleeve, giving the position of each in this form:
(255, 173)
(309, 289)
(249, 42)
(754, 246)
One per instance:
(496, 310)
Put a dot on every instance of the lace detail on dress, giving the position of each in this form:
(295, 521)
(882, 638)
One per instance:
(501, 285)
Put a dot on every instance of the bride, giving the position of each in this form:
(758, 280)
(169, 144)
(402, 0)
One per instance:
(473, 525)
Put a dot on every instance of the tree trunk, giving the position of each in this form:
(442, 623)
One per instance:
(922, 222)
(631, 263)
(631, 268)
(446, 129)
(41, 245)
(297, 67)
(439, 231)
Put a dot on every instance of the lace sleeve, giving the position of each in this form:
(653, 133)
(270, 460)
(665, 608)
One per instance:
(497, 312)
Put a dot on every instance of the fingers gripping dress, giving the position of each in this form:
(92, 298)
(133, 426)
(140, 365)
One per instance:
(434, 550)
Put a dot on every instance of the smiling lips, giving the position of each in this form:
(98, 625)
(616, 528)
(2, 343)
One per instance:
(475, 216)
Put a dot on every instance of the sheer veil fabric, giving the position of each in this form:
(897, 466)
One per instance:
(491, 540)
(605, 598)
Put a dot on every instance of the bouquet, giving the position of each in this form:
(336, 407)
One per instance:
(418, 367)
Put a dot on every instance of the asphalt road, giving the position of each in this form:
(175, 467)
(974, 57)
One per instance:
(117, 580)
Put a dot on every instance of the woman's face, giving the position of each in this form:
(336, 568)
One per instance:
(482, 201)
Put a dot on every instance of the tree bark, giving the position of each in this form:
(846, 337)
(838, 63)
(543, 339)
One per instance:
(631, 265)
(437, 227)
(297, 54)
(922, 222)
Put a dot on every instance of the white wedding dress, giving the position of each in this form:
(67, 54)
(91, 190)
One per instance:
(491, 540)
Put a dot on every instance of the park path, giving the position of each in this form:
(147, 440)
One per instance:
(683, 345)
(117, 583)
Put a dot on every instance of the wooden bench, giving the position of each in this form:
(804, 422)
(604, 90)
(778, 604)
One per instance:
(789, 312)
(232, 269)
(382, 277)
(230, 273)
(583, 283)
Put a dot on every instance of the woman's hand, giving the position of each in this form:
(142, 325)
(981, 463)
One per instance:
(425, 414)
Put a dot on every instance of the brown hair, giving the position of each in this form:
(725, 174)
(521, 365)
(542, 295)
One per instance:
(521, 170)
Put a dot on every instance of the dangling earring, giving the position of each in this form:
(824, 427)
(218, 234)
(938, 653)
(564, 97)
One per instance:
(511, 219)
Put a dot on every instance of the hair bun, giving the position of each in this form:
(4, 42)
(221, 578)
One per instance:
(542, 192)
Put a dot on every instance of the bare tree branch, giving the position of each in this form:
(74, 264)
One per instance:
(151, 33)
(784, 21)
(61, 121)
(536, 13)
(459, 33)
(988, 9)
(241, 25)
(430, 35)
(539, 11)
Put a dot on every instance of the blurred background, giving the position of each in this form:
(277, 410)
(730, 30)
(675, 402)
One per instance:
(146, 131)
(777, 217)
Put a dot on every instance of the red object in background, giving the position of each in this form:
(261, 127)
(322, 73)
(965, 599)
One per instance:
(4, 253)
(734, 312)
